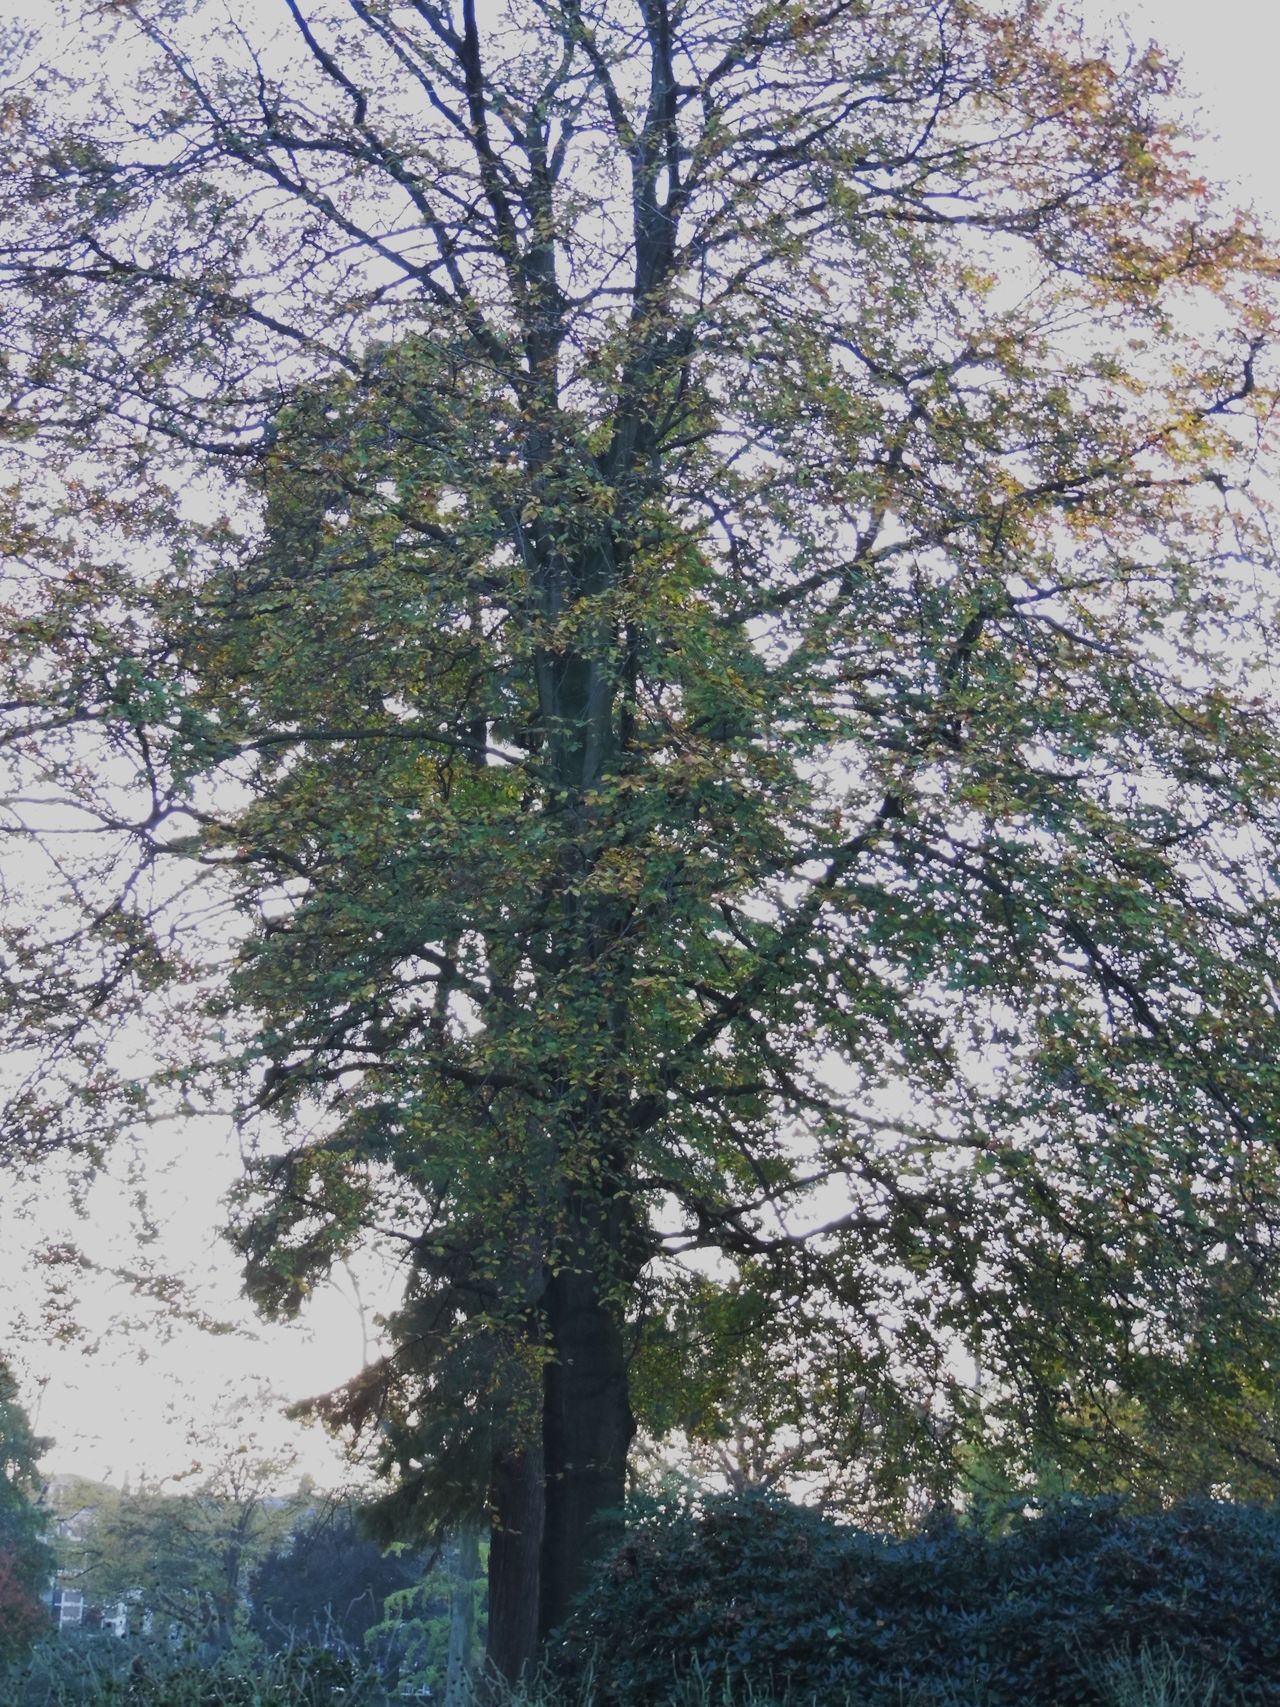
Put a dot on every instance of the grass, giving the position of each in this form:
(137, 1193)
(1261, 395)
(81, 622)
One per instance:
(107, 1673)
(1155, 1678)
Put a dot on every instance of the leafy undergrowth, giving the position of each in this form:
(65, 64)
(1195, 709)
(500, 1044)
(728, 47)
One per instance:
(104, 1672)
(1082, 1604)
(756, 1602)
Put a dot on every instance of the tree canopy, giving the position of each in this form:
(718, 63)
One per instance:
(660, 611)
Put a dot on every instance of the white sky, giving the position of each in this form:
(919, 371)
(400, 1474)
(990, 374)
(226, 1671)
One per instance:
(118, 1402)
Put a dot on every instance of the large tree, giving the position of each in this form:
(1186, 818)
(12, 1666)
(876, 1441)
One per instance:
(685, 572)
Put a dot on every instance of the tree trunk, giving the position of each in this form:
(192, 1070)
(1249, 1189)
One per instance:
(587, 1429)
(515, 1548)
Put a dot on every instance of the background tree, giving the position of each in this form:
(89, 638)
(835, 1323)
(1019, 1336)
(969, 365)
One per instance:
(688, 572)
(736, 1389)
(26, 1561)
(432, 1629)
(186, 1556)
(326, 1581)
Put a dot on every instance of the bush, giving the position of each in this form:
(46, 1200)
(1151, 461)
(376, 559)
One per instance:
(776, 1598)
(103, 1671)
(22, 1615)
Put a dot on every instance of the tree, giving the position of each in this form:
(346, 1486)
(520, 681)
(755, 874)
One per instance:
(327, 1581)
(429, 1633)
(689, 576)
(756, 1395)
(185, 1556)
(25, 1559)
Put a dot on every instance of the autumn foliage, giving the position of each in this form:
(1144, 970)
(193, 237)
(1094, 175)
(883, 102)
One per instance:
(639, 629)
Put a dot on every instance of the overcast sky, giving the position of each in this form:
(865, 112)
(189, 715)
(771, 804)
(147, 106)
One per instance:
(128, 1405)
(1228, 53)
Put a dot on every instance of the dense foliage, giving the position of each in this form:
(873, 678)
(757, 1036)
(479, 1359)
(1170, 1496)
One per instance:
(639, 624)
(26, 1562)
(234, 1570)
(179, 1554)
(327, 1582)
(104, 1671)
(431, 1636)
(787, 1601)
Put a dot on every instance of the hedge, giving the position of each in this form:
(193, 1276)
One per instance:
(777, 1597)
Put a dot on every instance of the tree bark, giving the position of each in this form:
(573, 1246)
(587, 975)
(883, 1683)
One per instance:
(587, 1427)
(515, 1546)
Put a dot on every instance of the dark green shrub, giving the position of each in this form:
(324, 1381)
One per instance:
(102, 1671)
(789, 1602)
(327, 1583)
